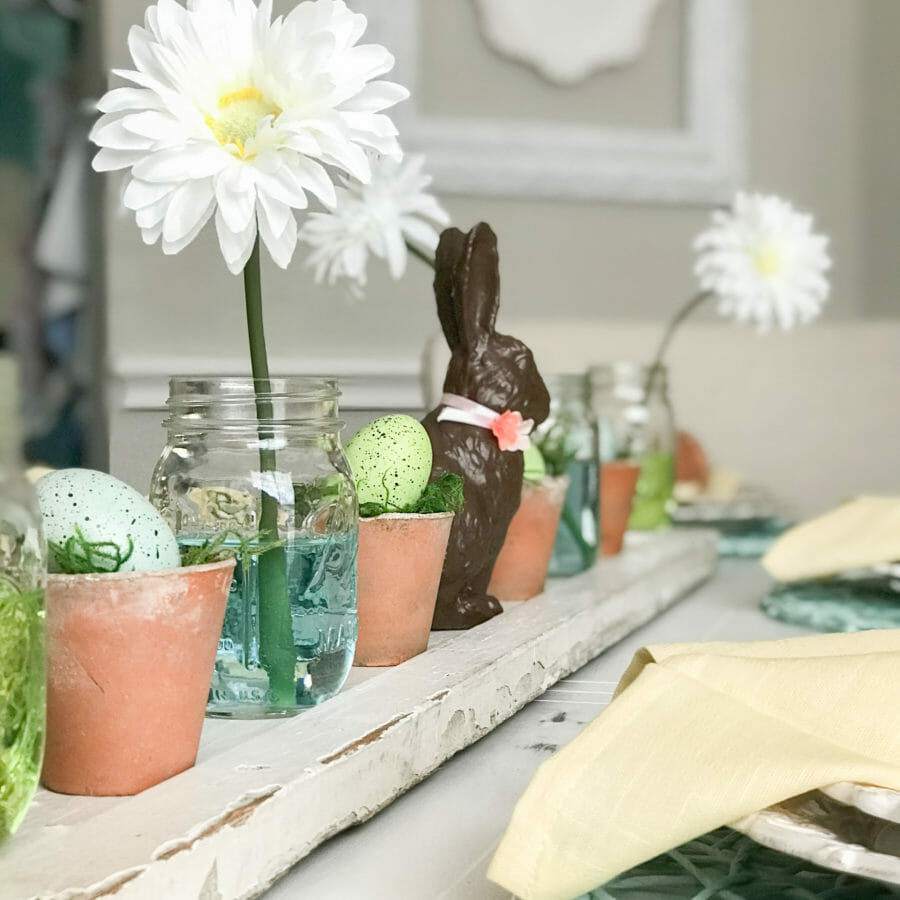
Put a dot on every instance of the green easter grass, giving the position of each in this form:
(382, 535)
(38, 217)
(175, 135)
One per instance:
(443, 495)
(21, 713)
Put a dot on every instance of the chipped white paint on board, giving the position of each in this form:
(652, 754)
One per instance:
(265, 794)
(568, 40)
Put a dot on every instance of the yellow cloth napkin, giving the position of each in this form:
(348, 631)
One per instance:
(858, 534)
(701, 735)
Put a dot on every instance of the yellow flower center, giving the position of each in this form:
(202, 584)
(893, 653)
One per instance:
(768, 260)
(239, 116)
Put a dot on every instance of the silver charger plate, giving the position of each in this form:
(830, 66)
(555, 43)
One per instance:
(823, 830)
(874, 801)
(751, 505)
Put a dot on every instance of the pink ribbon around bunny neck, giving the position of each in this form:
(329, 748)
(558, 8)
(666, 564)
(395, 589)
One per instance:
(510, 429)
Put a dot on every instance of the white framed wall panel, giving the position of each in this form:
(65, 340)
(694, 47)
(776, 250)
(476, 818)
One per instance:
(701, 162)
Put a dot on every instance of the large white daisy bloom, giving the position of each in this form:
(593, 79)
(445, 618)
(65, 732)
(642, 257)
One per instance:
(763, 262)
(380, 218)
(234, 114)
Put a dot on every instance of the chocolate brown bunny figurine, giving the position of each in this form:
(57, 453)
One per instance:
(492, 389)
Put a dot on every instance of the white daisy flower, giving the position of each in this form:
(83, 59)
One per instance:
(385, 217)
(763, 262)
(236, 115)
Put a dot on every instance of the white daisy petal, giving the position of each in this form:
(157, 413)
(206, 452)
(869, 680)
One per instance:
(186, 207)
(375, 97)
(123, 99)
(152, 235)
(139, 194)
(108, 160)
(236, 246)
(171, 248)
(231, 112)
(281, 246)
(235, 193)
(179, 163)
(395, 247)
(114, 132)
(420, 233)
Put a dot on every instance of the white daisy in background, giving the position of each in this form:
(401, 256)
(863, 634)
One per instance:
(235, 115)
(388, 217)
(763, 262)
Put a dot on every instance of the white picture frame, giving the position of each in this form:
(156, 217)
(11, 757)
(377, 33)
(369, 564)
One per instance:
(701, 163)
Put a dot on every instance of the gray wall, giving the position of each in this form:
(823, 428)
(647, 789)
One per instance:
(881, 162)
(818, 98)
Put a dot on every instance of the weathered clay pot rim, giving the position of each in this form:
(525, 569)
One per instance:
(404, 516)
(58, 578)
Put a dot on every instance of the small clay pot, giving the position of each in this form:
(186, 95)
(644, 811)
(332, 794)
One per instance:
(401, 557)
(618, 481)
(129, 663)
(521, 568)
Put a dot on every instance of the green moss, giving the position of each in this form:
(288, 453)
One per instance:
(79, 556)
(213, 549)
(442, 495)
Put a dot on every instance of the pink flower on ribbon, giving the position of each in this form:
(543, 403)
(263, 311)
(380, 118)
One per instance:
(512, 431)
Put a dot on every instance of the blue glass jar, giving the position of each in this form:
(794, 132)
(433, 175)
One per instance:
(279, 490)
(568, 442)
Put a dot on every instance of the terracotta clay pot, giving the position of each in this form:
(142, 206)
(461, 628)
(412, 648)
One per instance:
(129, 663)
(400, 561)
(691, 463)
(618, 481)
(521, 568)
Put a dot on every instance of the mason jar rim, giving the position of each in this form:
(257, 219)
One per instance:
(243, 387)
(607, 373)
(230, 404)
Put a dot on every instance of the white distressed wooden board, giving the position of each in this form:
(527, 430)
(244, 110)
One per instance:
(265, 794)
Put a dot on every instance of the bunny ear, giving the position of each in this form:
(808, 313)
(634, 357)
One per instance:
(479, 286)
(449, 254)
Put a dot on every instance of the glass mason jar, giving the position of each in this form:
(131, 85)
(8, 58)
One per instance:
(259, 466)
(23, 567)
(568, 442)
(635, 422)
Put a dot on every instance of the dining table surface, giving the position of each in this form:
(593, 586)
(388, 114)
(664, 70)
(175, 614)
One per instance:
(436, 841)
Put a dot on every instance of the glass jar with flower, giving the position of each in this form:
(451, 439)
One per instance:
(293, 525)
(236, 116)
(761, 261)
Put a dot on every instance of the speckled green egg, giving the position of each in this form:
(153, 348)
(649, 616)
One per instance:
(391, 461)
(535, 467)
(106, 511)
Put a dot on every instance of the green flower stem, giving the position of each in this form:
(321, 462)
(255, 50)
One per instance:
(685, 311)
(276, 638)
(420, 254)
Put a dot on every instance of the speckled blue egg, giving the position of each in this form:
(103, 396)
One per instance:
(106, 509)
(391, 461)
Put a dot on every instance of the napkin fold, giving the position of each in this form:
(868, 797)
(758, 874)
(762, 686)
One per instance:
(856, 535)
(700, 735)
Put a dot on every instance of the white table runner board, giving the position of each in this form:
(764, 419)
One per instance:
(265, 794)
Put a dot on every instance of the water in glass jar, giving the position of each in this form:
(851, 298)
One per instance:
(575, 548)
(321, 576)
(653, 497)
